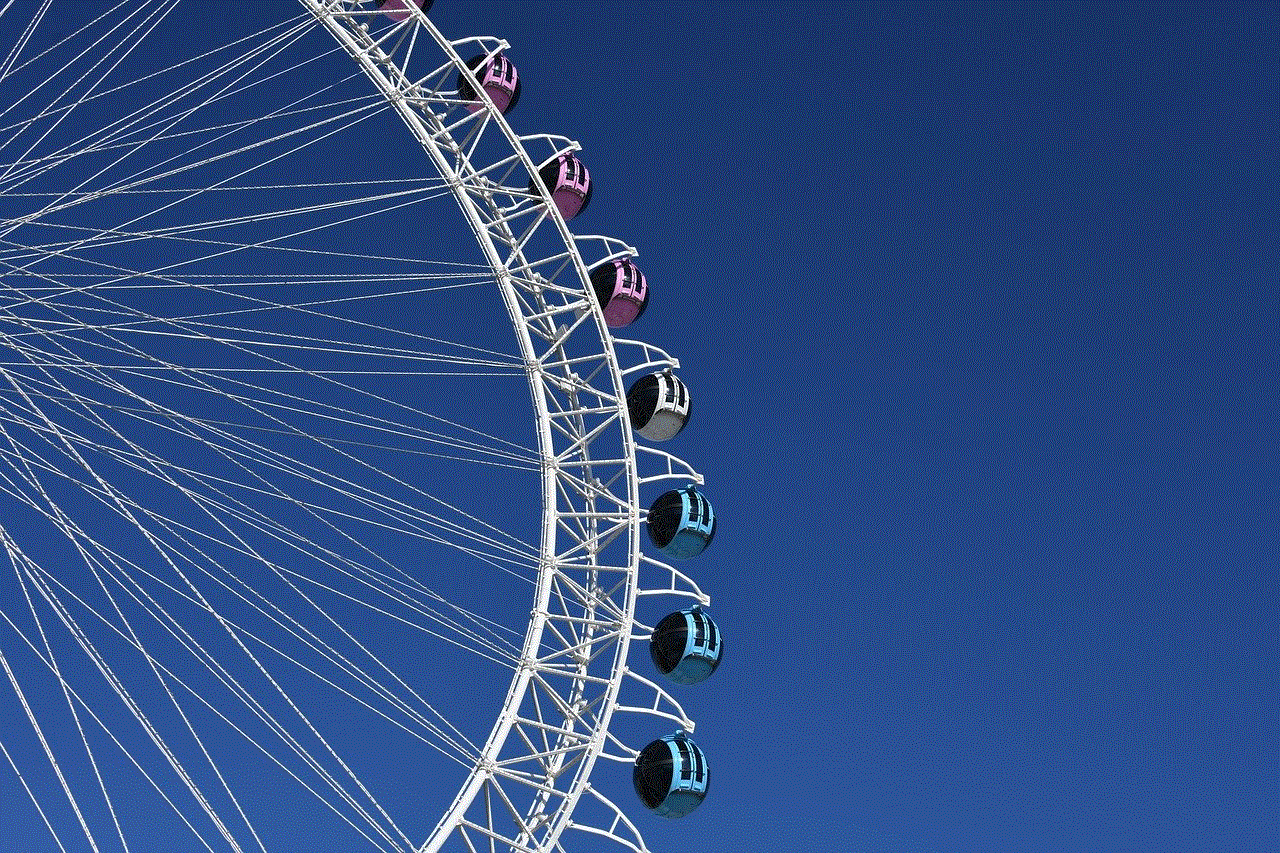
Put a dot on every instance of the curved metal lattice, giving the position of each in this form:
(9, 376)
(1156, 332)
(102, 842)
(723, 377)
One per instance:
(524, 785)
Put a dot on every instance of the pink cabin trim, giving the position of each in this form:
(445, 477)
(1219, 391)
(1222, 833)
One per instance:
(398, 10)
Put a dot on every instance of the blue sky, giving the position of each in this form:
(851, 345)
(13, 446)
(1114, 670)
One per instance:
(978, 305)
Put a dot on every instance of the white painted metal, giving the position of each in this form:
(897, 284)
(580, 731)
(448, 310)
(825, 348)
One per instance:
(525, 788)
(597, 498)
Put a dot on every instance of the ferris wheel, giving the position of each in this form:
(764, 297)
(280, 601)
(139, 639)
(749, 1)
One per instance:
(329, 516)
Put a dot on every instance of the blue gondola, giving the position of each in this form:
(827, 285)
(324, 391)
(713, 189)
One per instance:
(687, 646)
(659, 406)
(681, 523)
(671, 776)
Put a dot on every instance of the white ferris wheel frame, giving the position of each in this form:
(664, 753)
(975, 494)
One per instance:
(523, 791)
(531, 781)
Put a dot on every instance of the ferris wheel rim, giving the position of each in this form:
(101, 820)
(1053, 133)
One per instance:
(390, 79)
(586, 568)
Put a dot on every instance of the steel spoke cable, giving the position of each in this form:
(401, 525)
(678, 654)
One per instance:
(106, 730)
(203, 330)
(343, 121)
(205, 478)
(231, 249)
(124, 510)
(221, 427)
(234, 688)
(296, 403)
(435, 597)
(118, 559)
(475, 453)
(16, 50)
(12, 549)
(267, 50)
(135, 279)
(197, 696)
(58, 73)
(48, 751)
(246, 188)
(115, 237)
(396, 508)
(113, 134)
(508, 650)
(334, 657)
(34, 167)
(130, 279)
(259, 305)
(13, 765)
(342, 117)
(455, 625)
(233, 47)
(266, 280)
(64, 524)
(139, 33)
(121, 506)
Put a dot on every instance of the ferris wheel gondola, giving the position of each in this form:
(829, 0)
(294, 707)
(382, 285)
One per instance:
(256, 405)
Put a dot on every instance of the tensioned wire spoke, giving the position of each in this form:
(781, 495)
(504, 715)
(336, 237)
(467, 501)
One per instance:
(226, 248)
(103, 667)
(206, 480)
(158, 13)
(301, 22)
(343, 119)
(69, 622)
(263, 53)
(246, 188)
(88, 709)
(123, 509)
(199, 327)
(420, 413)
(230, 507)
(55, 765)
(264, 302)
(126, 280)
(16, 50)
(17, 771)
(110, 237)
(201, 380)
(219, 284)
(244, 510)
(476, 452)
(69, 248)
(62, 522)
(36, 165)
(259, 278)
(284, 401)
(184, 551)
(212, 427)
(287, 381)
(106, 15)
(287, 401)
(362, 493)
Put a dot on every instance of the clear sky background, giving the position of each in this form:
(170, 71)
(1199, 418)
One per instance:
(978, 305)
(979, 308)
